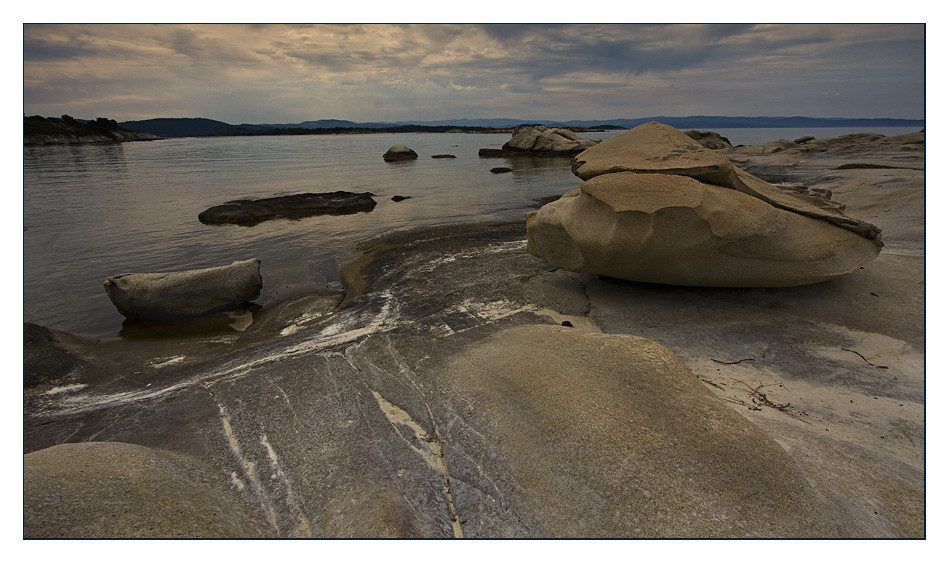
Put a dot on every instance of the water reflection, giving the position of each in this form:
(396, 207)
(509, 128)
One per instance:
(95, 211)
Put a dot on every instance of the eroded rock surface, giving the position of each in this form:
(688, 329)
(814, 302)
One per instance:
(659, 207)
(670, 229)
(550, 140)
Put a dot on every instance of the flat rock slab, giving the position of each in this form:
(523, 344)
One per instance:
(251, 212)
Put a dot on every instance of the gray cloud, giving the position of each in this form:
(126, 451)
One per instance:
(288, 73)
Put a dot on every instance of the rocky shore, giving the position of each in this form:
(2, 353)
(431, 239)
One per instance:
(461, 387)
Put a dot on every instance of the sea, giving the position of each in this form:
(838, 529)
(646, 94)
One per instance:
(93, 211)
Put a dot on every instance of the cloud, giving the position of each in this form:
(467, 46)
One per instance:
(289, 73)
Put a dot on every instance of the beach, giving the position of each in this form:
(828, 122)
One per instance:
(457, 386)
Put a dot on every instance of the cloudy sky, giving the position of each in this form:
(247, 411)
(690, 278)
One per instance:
(292, 73)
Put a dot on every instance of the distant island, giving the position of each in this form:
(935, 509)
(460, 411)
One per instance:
(65, 129)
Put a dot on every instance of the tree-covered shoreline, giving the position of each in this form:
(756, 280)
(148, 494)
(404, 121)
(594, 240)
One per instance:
(38, 130)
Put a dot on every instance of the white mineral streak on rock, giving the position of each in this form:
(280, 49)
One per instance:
(65, 388)
(429, 449)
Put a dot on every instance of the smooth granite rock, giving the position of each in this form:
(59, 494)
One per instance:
(163, 295)
(671, 229)
(399, 152)
(120, 490)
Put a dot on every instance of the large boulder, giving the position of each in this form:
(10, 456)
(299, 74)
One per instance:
(251, 212)
(671, 229)
(659, 207)
(399, 152)
(187, 293)
(546, 140)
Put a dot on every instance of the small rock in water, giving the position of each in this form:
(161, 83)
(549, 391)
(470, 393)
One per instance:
(399, 152)
(399, 198)
(501, 170)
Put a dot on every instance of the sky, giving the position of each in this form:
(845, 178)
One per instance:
(277, 73)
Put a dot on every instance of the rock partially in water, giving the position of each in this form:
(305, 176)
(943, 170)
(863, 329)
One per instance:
(709, 139)
(399, 152)
(46, 355)
(251, 212)
(172, 295)
(546, 140)
(498, 170)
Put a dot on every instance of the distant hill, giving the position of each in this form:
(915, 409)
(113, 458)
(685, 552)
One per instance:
(180, 127)
(200, 127)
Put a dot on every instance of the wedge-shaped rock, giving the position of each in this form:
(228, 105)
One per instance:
(673, 229)
(657, 148)
(164, 295)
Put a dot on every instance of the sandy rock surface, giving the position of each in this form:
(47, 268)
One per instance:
(466, 388)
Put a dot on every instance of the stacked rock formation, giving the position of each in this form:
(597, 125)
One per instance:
(658, 207)
(550, 140)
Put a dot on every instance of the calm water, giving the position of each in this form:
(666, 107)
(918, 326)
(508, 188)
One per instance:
(92, 211)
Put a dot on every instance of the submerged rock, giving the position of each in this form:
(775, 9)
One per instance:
(659, 207)
(399, 152)
(168, 295)
(251, 212)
